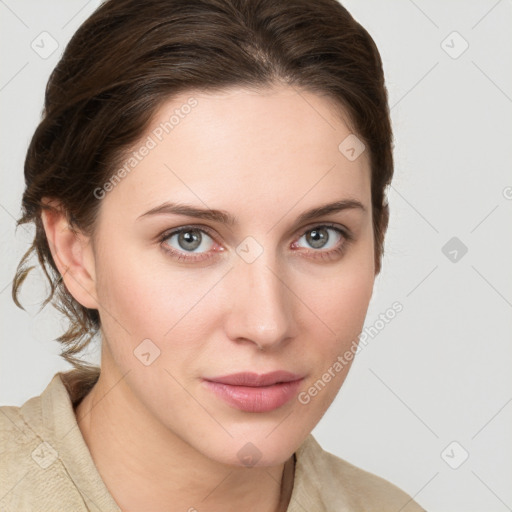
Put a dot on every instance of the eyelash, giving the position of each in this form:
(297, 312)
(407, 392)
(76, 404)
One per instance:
(323, 255)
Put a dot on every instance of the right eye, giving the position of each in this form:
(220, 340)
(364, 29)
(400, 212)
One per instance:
(188, 240)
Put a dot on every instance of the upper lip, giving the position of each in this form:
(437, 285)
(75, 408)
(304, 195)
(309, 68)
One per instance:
(255, 379)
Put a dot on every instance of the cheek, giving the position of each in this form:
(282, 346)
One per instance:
(342, 309)
(341, 294)
(340, 299)
(155, 301)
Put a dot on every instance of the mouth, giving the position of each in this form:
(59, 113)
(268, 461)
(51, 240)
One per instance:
(251, 392)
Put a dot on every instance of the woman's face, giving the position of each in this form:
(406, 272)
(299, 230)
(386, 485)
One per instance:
(265, 291)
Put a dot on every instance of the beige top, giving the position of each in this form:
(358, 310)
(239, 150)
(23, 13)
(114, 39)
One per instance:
(46, 466)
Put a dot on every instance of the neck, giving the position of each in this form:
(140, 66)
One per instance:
(160, 471)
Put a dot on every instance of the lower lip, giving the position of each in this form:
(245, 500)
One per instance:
(256, 399)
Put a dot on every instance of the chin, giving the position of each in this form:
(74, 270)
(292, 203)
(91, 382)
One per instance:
(254, 448)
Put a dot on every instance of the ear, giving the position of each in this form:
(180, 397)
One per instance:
(72, 253)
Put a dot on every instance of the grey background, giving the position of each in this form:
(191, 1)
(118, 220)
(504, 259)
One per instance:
(440, 371)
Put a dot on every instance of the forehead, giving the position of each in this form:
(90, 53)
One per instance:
(246, 148)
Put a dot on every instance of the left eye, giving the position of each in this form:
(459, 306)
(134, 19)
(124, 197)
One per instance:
(319, 237)
(190, 240)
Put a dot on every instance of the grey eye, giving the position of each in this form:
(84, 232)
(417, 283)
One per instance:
(319, 237)
(190, 240)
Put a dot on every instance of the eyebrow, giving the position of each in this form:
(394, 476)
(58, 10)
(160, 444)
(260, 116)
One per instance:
(224, 217)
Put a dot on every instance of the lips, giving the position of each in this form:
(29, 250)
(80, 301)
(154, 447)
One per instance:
(251, 392)
(256, 380)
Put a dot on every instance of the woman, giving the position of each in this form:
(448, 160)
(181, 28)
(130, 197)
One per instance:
(208, 189)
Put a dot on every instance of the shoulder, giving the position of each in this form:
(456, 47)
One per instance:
(32, 475)
(339, 485)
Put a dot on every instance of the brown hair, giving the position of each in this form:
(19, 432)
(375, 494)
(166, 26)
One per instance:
(130, 56)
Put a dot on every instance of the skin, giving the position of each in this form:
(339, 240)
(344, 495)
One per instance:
(159, 438)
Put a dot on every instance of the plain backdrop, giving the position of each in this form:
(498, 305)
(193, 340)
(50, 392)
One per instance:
(428, 402)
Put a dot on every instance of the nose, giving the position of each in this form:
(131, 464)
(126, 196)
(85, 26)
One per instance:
(262, 309)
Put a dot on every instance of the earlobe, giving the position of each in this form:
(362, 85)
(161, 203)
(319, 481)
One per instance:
(72, 253)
